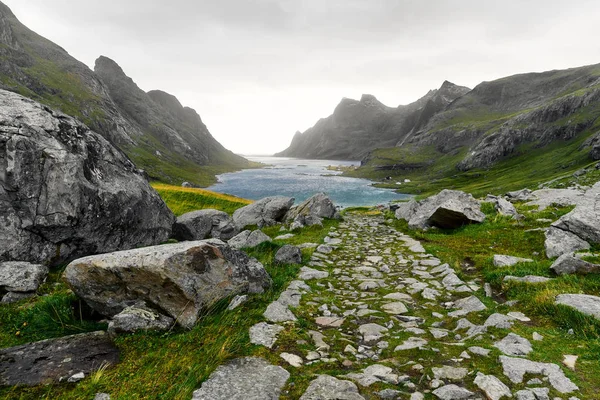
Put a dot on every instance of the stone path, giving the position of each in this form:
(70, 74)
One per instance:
(385, 314)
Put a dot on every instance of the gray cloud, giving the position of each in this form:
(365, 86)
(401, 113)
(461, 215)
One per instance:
(267, 68)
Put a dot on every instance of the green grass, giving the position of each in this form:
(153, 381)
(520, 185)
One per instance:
(182, 200)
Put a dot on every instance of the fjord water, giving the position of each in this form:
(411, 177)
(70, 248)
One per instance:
(300, 178)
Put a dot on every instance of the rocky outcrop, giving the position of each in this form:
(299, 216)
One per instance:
(202, 224)
(56, 360)
(66, 192)
(264, 212)
(448, 209)
(357, 127)
(178, 280)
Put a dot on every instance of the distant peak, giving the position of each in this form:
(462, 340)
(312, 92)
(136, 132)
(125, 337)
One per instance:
(368, 98)
(104, 63)
(5, 11)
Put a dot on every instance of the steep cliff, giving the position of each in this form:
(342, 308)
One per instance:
(146, 126)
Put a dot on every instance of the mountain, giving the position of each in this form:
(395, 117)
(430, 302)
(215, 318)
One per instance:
(357, 127)
(169, 141)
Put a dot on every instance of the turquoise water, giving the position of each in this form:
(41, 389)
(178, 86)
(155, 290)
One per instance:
(301, 179)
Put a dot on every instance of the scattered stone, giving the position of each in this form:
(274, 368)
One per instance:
(318, 339)
(18, 276)
(247, 378)
(395, 308)
(375, 373)
(514, 345)
(307, 274)
(288, 254)
(449, 373)
(493, 387)
(570, 264)
(389, 394)
(372, 332)
(452, 392)
(102, 396)
(519, 316)
(13, 297)
(248, 239)
(509, 261)
(180, 279)
(466, 306)
(278, 312)
(264, 334)
(325, 249)
(527, 279)
(292, 359)
(326, 387)
(55, 360)
(330, 322)
(505, 208)
(569, 361)
(537, 337)
(237, 301)
(76, 377)
(412, 343)
(202, 224)
(139, 317)
(584, 303)
(284, 237)
(516, 368)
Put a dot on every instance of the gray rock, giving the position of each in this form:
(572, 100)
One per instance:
(292, 359)
(288, 254)
(102, 396)
(307, 273)
(447, 209)
(508, 261)
(139, 317)
(202, 224)
(525, 395)
(265, 334)
(514, 345)
(17, 276)
(319, 205)
(570, 264)
(247, 378)
(412, 343)
(526, 279)
(264, 212)
(516, 368)
(67, 192)
(326, 387)
(584, 303)
(562, 197)
(520, 195)
(248, 239)
(237, 301)
(493, 387)
(499, 321)
(14, 297)
(505, 208)
(559, 242)
(480, 351)
(453, 392)
(55, 360)
(180, 279)
(466, 306)
(285, 237)
(450, 373)
(278, 312)
(306, 220)
(584, 220)
(406, 210)
(375, 373)
(372, 332)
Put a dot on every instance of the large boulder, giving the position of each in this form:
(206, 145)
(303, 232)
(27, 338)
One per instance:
(20, 280)
(447, 209)
(202, 224)
(56, 360)
(264, 212)
(178, 280)
(559, 242)
(569, 263)
(319, 205)
(584, 303)
(66, 192)
(584, 220)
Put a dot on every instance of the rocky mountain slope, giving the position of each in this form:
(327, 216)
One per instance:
(167, 140)
(357, 127)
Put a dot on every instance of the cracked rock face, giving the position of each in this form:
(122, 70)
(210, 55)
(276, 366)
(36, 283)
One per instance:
(66, 192)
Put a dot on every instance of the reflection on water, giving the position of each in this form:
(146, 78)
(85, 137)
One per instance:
(300, 178)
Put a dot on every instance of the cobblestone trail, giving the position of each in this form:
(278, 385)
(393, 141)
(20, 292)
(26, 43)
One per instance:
(384, 314)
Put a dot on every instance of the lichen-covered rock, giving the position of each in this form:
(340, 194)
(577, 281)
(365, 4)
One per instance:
(139, 317)
(55, 360)
(584, 303)
(202, 224)
(66, 192)
(248, 239)
(559, 242)
(447, 209)
(327, 387)
(570, 264)
(178, 280)
(288, 254)
(17, 276)
(319, 205)
(264, 212)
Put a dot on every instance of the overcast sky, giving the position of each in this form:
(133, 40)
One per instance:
(258, 71)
